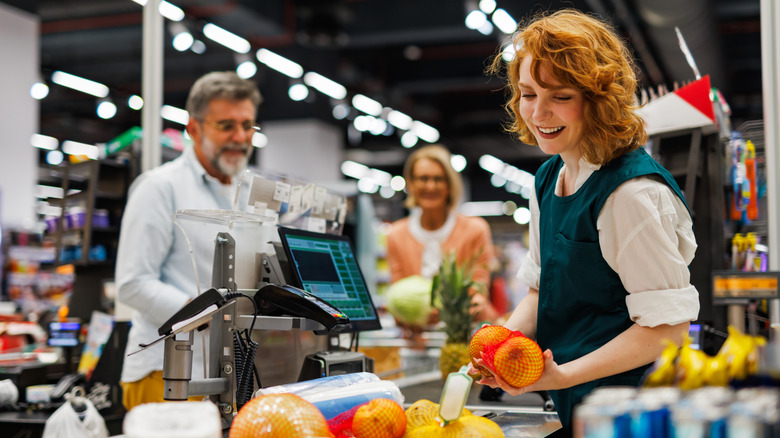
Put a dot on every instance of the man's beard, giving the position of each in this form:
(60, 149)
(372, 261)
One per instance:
(234, 166)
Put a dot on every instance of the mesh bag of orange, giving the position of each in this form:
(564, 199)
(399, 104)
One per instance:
(509, 354)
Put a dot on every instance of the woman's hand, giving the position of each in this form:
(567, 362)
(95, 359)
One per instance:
(482, 309)
(552, 378)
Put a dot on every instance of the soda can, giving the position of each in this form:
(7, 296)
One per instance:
(601, 420)
(755, 413)
(651, 414)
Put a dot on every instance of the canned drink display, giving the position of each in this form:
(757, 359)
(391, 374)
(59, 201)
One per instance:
(601, 420)
(755, 414)
(668, 412)
(651, 415)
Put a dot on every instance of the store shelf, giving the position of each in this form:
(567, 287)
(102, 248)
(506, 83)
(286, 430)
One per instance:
(90, 186)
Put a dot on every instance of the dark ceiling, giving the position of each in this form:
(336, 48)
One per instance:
(416, 56)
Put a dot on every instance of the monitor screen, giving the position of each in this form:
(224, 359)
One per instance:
(325, 265)
(64, 334)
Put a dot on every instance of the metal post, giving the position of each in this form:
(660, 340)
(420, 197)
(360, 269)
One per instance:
(770, 69)
(152, 85)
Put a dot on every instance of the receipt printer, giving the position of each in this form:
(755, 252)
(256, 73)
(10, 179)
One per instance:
(333, 363)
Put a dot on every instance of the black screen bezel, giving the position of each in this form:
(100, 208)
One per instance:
(355, 325)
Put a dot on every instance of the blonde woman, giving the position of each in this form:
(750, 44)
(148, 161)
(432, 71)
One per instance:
(434, 227)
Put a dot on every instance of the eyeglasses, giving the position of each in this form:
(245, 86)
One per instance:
(226, 126)
(425, 179)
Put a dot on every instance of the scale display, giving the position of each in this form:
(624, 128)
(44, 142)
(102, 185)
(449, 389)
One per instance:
(325, 265)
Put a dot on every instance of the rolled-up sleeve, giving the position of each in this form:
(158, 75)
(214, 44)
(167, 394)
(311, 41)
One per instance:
(646, 236)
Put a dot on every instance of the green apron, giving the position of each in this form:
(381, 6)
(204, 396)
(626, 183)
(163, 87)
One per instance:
(582, 302)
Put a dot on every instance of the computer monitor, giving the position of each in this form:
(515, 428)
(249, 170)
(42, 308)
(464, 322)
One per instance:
(325, 265)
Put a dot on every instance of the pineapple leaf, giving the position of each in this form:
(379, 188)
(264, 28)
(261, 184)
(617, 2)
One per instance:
(450, 294)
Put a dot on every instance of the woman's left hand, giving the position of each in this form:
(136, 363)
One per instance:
(482, 309)
(552, 378)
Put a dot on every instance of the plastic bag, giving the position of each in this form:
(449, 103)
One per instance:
(65, 422)
(183, 419)
(337, 400)
(314, 386)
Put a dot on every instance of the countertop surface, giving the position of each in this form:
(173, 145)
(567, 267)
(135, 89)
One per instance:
(519, 416)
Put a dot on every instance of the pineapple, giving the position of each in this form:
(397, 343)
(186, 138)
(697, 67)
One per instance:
(450, 295)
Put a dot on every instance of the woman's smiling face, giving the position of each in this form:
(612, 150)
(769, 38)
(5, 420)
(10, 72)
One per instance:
(554, 115)
(430, 185)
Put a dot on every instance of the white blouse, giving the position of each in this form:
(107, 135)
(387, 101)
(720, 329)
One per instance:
(646, 236)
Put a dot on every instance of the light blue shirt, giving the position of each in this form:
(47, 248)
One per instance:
(154, 269)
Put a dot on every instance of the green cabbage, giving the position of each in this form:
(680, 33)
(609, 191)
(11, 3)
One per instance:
(409, 300)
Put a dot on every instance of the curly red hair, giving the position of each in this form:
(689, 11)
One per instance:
(584, 53)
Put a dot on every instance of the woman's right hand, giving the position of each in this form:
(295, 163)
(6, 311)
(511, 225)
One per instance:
(544, 382)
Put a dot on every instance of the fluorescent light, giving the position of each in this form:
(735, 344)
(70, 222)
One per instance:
(458, 162)
(174, 114)
(259, 140)
(135, 102)
(39, 90)
(522, 215)
(363, 123)
(367, 105)
(340, 111)
(397, 183)
(381, 177)
(198, 47)
(399, 120)
(76, 148)
(485, 208)
(508, 54)
(226, 38)
(354, 169)
(298, 92)
(509, 208)
(487, 6)
(475, 19)
(491, 164)
(324, 85)
(183, 41)
(44, 142)
(386, 192)
(140, 2)
(279, 63)
(497, 180)
(170, 11)
(106, 110)
(55, 157)
(409, 139)
(366, 185)
(486, 28)
(79, 84)
(246, 69)
(425, 132)
(378, 126)
(504, 21)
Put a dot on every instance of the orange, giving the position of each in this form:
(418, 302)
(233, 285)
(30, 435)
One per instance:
(519, 361)
(279, 416)
(379, 418)
(487, 336)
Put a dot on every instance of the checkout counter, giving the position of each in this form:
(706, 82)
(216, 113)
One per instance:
(249, 256)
